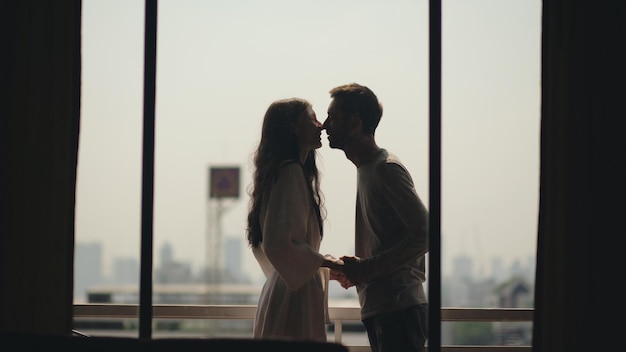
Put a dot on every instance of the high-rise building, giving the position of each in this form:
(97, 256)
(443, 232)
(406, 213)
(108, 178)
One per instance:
(233, 258)
(126, 271)
(171, 271)
(87, 268)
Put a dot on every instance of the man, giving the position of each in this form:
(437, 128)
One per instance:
(391, 236)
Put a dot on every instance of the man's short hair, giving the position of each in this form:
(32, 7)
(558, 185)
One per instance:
(354, 98)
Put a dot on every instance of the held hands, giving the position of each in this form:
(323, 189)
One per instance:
(351, 269)
(336, 270)
(343, 270)
(332, 263)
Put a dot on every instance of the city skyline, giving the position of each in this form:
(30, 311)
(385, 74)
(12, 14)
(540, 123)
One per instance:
(125, 270)
(512, 288)
(219, 65)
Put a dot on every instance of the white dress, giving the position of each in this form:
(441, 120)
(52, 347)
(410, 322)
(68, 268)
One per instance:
(293, 301)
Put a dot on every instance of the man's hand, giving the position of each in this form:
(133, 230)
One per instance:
(351, 268)
(336, 270)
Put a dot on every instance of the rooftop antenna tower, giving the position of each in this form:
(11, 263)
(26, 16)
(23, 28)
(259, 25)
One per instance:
(223, 192)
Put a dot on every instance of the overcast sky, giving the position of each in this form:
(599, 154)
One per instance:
(220, 65)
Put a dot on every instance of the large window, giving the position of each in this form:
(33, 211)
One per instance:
(219, 65)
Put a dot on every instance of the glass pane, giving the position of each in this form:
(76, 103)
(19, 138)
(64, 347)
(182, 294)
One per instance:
(490, 145)
(219, 67)
(108, 194)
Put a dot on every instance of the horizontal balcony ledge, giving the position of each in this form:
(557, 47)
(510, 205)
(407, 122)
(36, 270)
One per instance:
(181, 311)
(338, 315)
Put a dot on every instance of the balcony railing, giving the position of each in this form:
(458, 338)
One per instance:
(338, 315)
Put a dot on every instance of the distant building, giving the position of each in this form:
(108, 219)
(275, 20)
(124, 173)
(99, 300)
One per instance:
(193, 294)
(171, 271)
(126, 271)
(233, 269)
(87, 268)
(497, 269)
(514, 293)
(463, 267)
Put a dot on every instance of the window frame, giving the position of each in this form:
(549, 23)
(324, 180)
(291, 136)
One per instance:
(147, 181)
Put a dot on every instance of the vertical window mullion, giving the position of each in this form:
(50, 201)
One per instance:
(147, 184)
(434, 221)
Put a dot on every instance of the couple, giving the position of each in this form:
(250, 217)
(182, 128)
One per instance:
(285, 226)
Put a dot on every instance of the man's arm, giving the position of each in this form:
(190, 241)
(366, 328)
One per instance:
(410, 216)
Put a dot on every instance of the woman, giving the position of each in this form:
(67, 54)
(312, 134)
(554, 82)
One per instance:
(285, 225)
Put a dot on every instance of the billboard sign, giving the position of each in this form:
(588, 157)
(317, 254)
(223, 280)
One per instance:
(224, 182)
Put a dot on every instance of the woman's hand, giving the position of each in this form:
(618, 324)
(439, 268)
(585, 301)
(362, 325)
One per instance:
(337, 267)
(332, 262)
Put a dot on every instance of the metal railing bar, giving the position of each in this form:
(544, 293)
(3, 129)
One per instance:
(337, 315)
(174, 311)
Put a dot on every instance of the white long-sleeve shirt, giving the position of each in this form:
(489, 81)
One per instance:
(391, 237)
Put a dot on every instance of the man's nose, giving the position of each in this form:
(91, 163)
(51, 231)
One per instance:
(325, 124)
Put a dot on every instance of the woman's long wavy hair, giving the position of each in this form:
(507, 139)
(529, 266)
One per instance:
(278, 146)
